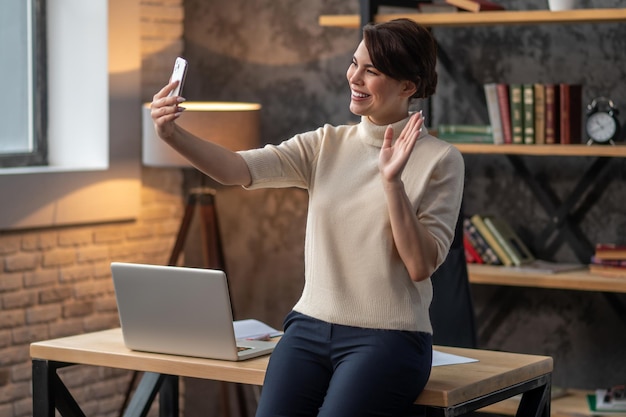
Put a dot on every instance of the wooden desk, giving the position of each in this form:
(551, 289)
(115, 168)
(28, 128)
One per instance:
(451, 391)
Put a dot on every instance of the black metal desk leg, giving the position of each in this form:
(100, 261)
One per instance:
(536, 402)
(43, 395)
(49, 392)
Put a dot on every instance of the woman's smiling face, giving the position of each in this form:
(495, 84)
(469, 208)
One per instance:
(381, 98)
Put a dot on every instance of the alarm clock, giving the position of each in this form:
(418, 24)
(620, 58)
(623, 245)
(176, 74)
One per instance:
(602, 125)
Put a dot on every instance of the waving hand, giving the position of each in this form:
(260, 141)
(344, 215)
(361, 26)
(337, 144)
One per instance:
(394, 156)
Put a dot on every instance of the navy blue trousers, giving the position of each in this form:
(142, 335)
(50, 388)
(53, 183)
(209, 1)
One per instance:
(321, 369)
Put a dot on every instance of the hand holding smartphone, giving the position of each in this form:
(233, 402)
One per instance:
(178, 74)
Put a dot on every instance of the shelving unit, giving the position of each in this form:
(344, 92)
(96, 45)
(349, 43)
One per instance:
(514, 17)
(590, 184)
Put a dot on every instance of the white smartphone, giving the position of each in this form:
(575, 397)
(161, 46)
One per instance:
(178, 74)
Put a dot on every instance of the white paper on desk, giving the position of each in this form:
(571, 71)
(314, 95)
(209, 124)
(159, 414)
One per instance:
(252, 329)
(441, 358)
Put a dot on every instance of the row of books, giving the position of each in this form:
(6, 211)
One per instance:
(609, 260)
(491, 240)
(535, 113)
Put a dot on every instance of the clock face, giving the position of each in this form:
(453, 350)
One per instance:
(601, 127)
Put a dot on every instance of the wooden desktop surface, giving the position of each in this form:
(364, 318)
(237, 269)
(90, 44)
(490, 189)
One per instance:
(448, 385)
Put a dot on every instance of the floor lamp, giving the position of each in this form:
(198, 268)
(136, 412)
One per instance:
(235, 126)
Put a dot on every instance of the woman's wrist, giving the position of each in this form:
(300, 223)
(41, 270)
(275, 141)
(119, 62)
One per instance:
(393, 185)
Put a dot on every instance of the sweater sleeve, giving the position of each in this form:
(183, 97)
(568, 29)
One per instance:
(439, 208)
(289, 164)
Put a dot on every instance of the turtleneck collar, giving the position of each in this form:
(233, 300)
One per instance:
(373, 134)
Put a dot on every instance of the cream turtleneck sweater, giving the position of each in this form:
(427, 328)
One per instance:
(353, 273)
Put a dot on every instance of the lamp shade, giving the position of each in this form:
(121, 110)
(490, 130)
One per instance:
(233, 125)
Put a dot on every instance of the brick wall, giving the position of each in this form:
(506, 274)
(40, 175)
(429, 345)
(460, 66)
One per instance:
(56, 282)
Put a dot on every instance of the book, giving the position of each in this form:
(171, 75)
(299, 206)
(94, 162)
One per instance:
(552, 114)
(505, 111)
(467, 129)
(475, 5)
(461, 133)
(436, 7)
(471, 254)
(610, 251)
(570, 110)
(482, 247)
(466, 138)
(610, 262)
(484, 231)
(514, 247)
(517, 115)
(608, 270)
(528, 111)
(540, 114)
(493, 110)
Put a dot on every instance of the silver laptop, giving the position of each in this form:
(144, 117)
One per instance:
(181, 311)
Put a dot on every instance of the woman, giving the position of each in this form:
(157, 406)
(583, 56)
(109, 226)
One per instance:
(384, 197)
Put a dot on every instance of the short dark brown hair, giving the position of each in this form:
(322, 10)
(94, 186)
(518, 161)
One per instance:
(404, 50)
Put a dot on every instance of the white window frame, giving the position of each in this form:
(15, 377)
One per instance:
(31, 147)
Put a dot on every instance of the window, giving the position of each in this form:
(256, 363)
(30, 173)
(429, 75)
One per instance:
(94, 121)
(23, 139)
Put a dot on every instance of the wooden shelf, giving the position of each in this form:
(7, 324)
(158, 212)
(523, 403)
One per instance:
(513, 17)
(573, 403)
(581, 280)
(617, 151)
